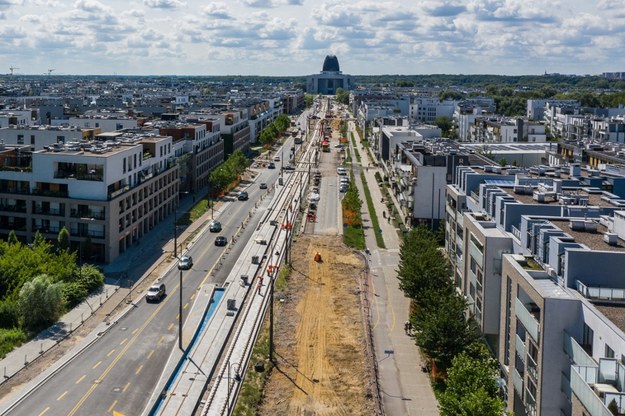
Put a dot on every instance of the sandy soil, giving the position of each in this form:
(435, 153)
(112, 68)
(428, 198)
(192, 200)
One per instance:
(322, 365)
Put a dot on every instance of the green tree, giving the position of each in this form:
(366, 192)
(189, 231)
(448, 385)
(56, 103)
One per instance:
(471, 386)
(309, 99)
(41, 302)
(282, 123)
(342, 96)
(444, 123)
(442, 328)
(450, 95)
(12, 239)
(421, 264)
(63, 239)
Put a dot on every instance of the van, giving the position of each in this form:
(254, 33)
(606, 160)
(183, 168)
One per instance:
(341, 170)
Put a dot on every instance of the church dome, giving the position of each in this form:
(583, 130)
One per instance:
(331, 64)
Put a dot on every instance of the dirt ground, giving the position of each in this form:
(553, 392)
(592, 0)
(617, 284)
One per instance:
(322, 364)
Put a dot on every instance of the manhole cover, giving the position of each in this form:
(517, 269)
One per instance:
(117, 389)
(123, 328)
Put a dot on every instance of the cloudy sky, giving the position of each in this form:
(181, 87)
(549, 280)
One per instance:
(292, 37)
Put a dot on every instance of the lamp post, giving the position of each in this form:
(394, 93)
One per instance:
(237, 378)
(180, 315)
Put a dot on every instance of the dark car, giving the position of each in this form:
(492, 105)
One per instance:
(155, 293)
(214, 227)
(242, 196)
(271, 165)
(221, 241)
(263, 185)
(289, 167)
(185, 263)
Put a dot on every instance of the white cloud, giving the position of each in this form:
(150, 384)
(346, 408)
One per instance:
(374, 36)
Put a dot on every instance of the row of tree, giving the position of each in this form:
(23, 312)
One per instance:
(275, 129)
(39, 282)
(228, 172)
(444, 332)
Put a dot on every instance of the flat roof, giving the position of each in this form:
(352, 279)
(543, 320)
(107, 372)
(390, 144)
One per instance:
(593, 240)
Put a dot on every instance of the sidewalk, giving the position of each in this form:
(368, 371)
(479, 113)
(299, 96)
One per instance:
(406, 390)
(121, 277)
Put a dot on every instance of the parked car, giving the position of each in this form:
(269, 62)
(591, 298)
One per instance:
(343, 188)
(289, 167)
(185, 263)
(242, 196)
(221, 241)
(155, 293)
(214, 227)
(263, 185)
(276, 158)
(271, 165)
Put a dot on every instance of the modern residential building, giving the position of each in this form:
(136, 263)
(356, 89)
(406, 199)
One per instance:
(428, 109)
(538, 253)
(107, 193)
(235, 131)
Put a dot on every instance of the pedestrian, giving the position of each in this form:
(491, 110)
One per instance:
(259, 286)
(383, 214)
(407, 327)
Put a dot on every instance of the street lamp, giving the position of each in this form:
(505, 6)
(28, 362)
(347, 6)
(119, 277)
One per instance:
(177, 258)
(237, 378)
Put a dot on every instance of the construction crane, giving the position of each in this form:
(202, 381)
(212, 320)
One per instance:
(50, 71)
(12, 68)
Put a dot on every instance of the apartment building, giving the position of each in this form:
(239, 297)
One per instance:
(420, 173)
(536, 108)
(105, 120)
(428, 109)
(235, 131)
(538, 253)
(39, 137)
(107, 193)
(17, 117)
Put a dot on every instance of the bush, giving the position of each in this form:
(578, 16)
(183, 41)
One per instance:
(73, 293)
(9, 314)
(91, 278)
(9, 339)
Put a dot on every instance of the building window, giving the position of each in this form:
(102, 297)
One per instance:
(587, 337)
(20, 139)
(609, 352)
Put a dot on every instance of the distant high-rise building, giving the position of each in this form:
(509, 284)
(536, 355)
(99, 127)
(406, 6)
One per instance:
(329, 79)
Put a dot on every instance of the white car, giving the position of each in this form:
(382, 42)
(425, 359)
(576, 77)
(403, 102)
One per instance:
(314, 197)
(185, 263)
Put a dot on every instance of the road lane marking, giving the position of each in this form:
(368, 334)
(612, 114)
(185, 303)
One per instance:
(110, 409)
(193, 296)
(160, 341)
(177, 317)
(111, 352)
(150, 354)
(135, 331)
(139, 370)
(96, 365)
(170, 326)
(62, 395)
(44, 411)
(186, 305)
(81, 379)
(119, 356)
(126, 387)
(123, 341)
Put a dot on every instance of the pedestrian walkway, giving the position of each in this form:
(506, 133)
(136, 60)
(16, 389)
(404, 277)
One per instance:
(405, 389)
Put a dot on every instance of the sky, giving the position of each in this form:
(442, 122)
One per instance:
(292, 37)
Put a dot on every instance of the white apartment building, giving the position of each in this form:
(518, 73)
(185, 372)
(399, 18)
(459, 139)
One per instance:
(539, 254)
(16, 117)
(39, 137)
(103, 120)
(107, 193)
(427, 109)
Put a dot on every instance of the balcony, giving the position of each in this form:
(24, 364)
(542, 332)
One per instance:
(532, 368)
(527, 319)
(517, 381)
(520, 347)
(601, 293)
(87, 214)
(13, 208)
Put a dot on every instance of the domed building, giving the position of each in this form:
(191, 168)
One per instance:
(329, 79)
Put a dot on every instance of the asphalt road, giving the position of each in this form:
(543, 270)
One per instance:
(119, 371)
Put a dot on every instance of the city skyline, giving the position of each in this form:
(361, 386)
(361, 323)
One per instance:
(292, 37)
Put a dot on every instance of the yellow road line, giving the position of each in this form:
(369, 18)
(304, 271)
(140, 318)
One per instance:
(193, 296)
(81, 379)
(133, 332)
(160, 341)
(123, 341)
(97, 365)
(139, 370)
(177, 317)
(186, 305)
(150, 354)
(125, 387)
(110, 409)
(111, 352)
(44, 411)
(61, 396)
(170, 326)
